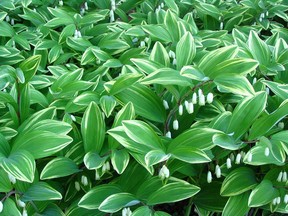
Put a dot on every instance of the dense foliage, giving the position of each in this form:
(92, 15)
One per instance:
(145, 106)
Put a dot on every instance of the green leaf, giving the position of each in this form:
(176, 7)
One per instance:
(97, 195)
(172, 192)
(124, 82)
(237, 205)
(93, 160)
(145, 102)
(24, 102)
(93, 128)
(159, 54)
(259, 49)
(238, 181)
(209, 61)
(185, 50)
(3, 14)
(40, 143)
(156, 156)
(7, 98)
(30, 66)
(118, 201)
(142, 133)
(107, 104)
(5, 184)
(157, 32)
(4, 147)
(279, 89)
(166, 76)
(78, 44)
(120, 160)
(192, 73)
(190, 155)
(41, 191)
(146, 66)
(225, 141)
(170, 21)
(197, 138)
(235, 84)
(245, 113)
(21, 165)
(259, 195)
(265, 123)
(143, 210)
(59, 167)
(6, 30)
(10, 208)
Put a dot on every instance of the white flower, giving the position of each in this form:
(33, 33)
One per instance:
(238, 158)
(279, 179)
(218, 171)
(113, 5)
(254, 81)
(284, 178)
(84, 180)
(267, 151)
(194, 98)
(286, 198)
(162, 5)
(76, 33)
(180, 109)
(1, 206)
(168, 134)
(174, 61)
(232, 157)
(135, 40)
(278, 200)
(262, 15)
(24, 213)
(164, 172)
(12, 178)
(146, 39)
(175, 124)
(21, 203)
(12, 22)
(172, 54)
(165, 104)
(228, 163)
(281, 125)
(97, 176)
(107, 164)
(142, 44)
(126, 212)
(86, 5)
(200, 92)
(60, 3)
(249, 157)
(190, 108)
(221, 25)
(267, 90)
(274, 201)
(73, 118)
(209, 177)
(186, 103)
(202, 100)
(77, 186)
(242, 154)
(112, 18)
(7, 18)
(79, 35)
(82, 11)
(210, 97)
(267, 13)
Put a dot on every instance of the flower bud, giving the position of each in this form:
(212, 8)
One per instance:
(190, 108)
(267, 13)
(284, 177)
(260, 19)
(172, 54)
(1, 206)
(79, 35)
(228, 163)
(186, 103)
(164, 172)
(77, 185)
(76, 34)
(218, 171)
(281, 125)
(86, 6)
(238, 158)
(279, 179)
(112, 18)
(202, 100)
(162, 5)
(73, 118)
(274, 201)
(7, 18)
(254, 81)
(278, 200)
(174, 61)
(82, 11)
(60, 3)
(12, 22)
(107, 164)
(286, 198)
(267, 151)
(267, 90)
(97, 176)
(200, 92)
(84, 180)
(21, 203)
(146, 39)
(180, 109)
(126, 212)
(209, 177)
(12, 178)
(249, 157)
(194, 98)
(135, 40)
(221, 25)
(24, 213)
(175, 124)
(210, 98)
(165, 104)
(168, 134)
(142, 44)
(232, 157)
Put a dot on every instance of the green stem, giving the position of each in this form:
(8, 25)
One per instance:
(189, 207)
